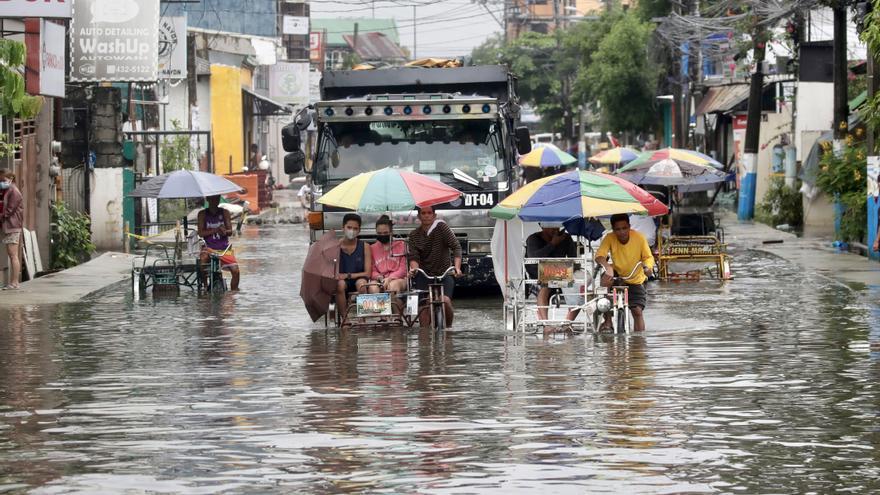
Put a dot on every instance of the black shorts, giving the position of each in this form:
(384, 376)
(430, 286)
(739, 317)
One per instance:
(637, 294)
(421, 283)
(351, 285)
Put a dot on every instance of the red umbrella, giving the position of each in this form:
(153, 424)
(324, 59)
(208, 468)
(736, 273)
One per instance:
(319, 275)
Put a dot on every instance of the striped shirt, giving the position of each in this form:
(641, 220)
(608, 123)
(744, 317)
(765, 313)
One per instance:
(434, 252)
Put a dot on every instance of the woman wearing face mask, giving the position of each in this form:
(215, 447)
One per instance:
(355, 261)
(389, 259)
(11, 218)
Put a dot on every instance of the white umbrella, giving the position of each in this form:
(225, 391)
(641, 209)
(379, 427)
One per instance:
(185, 184)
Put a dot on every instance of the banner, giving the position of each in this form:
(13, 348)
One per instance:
(172, 48)
(315, 46)
(29, 8)
(45, 42)
(289, 82)
(114, 40)
(295, 25)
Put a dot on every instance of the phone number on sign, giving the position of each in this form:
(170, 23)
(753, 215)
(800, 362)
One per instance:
(129, 69)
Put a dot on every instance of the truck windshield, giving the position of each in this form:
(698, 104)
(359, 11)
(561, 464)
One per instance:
(442, 149)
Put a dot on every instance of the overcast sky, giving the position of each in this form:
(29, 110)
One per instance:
(443, 27)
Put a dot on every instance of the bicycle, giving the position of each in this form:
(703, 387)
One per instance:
(212, 278)
(621, 318)
(435, 302)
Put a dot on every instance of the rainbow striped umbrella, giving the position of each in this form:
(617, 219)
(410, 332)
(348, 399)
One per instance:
(546, 155)
(388, 189)
(673, 167)
(614, 156)
(574, 194)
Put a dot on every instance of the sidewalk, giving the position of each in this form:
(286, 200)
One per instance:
(72, 284)
(812, 254)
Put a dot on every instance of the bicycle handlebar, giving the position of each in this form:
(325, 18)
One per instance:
(436, 278)
(632, 273)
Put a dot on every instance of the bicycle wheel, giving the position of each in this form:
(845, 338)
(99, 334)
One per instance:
(439, 316)
(622, 321)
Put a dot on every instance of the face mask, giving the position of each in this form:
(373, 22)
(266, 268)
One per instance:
(384, 239)
(350, 234)
(4, 185)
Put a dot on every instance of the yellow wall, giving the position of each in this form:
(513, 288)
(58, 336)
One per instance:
(227, 121)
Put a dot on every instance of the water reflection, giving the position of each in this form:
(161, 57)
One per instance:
(765, 384)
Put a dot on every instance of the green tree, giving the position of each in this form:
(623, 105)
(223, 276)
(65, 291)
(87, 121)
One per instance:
(623, 78)
(13, 100)
(489, 52)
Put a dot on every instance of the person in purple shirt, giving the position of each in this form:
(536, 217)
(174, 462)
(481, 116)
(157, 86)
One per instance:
(215, 225)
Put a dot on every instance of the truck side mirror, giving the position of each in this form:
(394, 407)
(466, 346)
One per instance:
(290, 139)
(523, 140)
(294, 162)
(303, 120)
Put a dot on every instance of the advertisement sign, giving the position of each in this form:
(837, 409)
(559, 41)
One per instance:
(29, 8)
(556, 273)
(289, 82)
(114, 40)
(373, 304)
(295, 25)
(315, 46)
(172, 48)
(45, 43)
(739, 142)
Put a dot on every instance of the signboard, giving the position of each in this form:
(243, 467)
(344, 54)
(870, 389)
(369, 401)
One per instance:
(289, 82)
(739, 142)
(295, 25)
(172, 48)
(315, 44)
(373, 304)
(556, 273)
(114, 40)
(45, 42)
(29, 8)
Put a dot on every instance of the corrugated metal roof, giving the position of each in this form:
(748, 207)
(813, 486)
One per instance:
(336, 28)
(720, 99)
(374, 46)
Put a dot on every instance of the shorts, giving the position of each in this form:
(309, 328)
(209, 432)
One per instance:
(421, 283)
(351, 284)
(12, 238)
(636, 293)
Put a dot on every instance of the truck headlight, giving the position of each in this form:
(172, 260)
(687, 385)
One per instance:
(479, 247)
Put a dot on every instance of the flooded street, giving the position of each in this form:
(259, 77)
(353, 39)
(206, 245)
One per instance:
(766, 384)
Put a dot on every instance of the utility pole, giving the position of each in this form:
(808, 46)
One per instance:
(841, 105)
(748, 183)
(414, 32)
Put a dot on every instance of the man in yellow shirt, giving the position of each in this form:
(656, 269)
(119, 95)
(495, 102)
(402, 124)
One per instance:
(627, 248)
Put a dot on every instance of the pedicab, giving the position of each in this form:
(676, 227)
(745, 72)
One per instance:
(387, 190)
(569, 199)
(690, 241)
(161, 269)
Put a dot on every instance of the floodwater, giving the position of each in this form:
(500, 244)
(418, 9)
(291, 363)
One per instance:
(766, 384)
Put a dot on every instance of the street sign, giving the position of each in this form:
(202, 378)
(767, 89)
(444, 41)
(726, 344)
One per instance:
(114, 40)
(29, 8)
(295, 25)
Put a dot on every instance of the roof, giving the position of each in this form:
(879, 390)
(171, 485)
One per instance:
(374, 46)
(265, 106)
(337, 27)
(721, 99)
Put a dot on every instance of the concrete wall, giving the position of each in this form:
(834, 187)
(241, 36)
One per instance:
(106, 207)
(772, 130)
(818, 216)
(815, 112)
(227, 121)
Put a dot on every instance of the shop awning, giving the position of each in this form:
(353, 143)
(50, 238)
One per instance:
(722, 99)
(264, 106)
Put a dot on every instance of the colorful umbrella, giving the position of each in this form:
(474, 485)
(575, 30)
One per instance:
(679, 155)
(577, 193)
(388, 189)
(673, 167)
(546, 155)
(614, 156)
